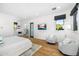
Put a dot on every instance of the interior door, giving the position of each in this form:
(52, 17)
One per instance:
(32, 30)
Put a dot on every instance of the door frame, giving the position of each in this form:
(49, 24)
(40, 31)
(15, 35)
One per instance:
(31, 29)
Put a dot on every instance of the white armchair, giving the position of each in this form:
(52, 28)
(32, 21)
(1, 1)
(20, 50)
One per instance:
(68, 47)
(58, 36)
(51, 39)
(70, 44)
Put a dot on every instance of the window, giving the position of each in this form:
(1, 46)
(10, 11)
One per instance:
(60, 21)
(59, 24)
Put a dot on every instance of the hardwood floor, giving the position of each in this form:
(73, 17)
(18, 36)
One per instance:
(46, 49)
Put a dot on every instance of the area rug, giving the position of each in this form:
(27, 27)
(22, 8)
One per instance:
(32, 50)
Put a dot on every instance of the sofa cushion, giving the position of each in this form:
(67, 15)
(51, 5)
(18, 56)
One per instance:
(67, 41)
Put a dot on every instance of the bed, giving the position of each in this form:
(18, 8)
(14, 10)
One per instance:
(14, 46)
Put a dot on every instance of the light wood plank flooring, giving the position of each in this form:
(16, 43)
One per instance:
(46, 49)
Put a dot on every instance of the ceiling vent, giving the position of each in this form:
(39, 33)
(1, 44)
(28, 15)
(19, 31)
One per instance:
(54, 8)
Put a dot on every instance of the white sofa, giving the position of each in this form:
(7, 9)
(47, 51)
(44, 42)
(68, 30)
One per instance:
(70, 44)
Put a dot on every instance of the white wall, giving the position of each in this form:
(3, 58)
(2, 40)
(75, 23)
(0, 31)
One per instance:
(32, 11)
(42, 34)
(6, 24)
(49, 20)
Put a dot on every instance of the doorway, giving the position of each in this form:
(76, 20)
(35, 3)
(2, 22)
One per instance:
(32, 30)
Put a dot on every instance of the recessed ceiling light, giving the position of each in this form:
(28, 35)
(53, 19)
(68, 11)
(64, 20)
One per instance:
(58, 7)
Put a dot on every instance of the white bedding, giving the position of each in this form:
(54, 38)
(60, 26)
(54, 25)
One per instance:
(14, 46)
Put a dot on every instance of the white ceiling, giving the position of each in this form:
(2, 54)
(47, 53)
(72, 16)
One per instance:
(30, 10)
